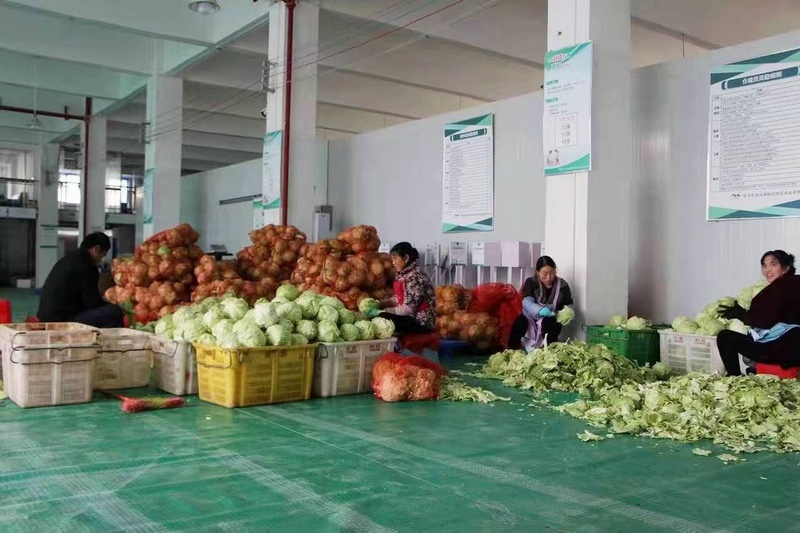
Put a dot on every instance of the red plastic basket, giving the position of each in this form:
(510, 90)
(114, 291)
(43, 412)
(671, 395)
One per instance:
(777, 370)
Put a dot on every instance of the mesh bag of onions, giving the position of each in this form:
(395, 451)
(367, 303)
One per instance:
(396, 378)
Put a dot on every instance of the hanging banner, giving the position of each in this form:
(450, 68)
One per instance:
(147, 201)
(271, 161)
(258, 213)
(567, 134)
(754, 146)
(468, 180)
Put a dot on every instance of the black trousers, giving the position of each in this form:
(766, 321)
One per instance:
(550, 327)
(405, 325)
(732, 344)
(107, 316)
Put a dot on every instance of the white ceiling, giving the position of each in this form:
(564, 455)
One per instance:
(451, 58)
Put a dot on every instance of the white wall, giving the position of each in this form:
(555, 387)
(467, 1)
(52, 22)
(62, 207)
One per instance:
(680, 262)
(392, 178)
(221, 224)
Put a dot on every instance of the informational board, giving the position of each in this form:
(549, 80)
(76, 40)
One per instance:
(147, 200)
(567, 134)
(271, 161)
(478, 253)
(48, 236)
(258, 213)
(458, 253)
(754, 138)
(468, 180)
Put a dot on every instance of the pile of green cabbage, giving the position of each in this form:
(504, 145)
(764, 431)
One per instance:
(291, 318)
(456, 390)
(709, 322)
(744, 414)
(633, 323)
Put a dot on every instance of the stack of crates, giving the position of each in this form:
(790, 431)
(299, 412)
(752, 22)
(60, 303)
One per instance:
(346, 367)
(641, 346)
(125, 359)
(174, 366)
(49, 364)
(684, 352)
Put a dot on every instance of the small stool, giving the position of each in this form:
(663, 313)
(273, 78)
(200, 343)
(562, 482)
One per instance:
(777, 370)
(6, 317)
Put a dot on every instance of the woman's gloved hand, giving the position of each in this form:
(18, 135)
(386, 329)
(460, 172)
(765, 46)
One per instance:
(545, 312)
(732, 312)
(372, 312)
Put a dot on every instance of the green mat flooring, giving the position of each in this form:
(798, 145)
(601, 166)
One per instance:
(358, 464)
(24, 302)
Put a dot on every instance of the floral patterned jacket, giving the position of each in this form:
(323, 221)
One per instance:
(414, 295)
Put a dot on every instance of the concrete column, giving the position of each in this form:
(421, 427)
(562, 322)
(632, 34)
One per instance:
(306, 187)
(93, 179)
(47, 212)
(587, 215)
(163, 155)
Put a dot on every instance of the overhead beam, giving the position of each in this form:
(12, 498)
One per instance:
(663, 30)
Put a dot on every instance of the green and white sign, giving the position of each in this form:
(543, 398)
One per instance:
(468, 179)
(754, 146)
(147, 201)
(271, 161)
(567, 135)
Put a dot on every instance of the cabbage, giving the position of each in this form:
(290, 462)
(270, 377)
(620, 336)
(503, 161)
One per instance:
(289, 292)
(234, 308)
(617, 321)
(242, 325)
(328, 313)
(265, 314)
(349, 333)
(309, 307)
(206, 305)
(206, 339)
(737, 326)
(212, 316)
(307, 328)
(222, 328)
(384, 328)
(327, 331)
(368, 304)
(290, 311)
(310, 295)
(190, 330)
(710, 326)
(747, 294)
(286, 323)
(346, 316)
(163, 325)
(279, 335)
(636, 323)
(366, 330)
(182, 314)
(228, 340)
(565, 316)
(250, 335)
(332, 302)
(298, 340)
(278, 300)
(684, 324)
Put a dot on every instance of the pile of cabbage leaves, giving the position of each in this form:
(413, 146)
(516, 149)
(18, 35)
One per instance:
(743, 414)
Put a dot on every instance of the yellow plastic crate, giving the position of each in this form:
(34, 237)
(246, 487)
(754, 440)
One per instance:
(254, 376)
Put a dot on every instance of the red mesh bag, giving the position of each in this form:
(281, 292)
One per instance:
(420, 341)
(396, 378)
(421, 362)
(383, 365)
(500, 300)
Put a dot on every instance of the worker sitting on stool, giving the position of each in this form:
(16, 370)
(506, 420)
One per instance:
(773, 318)
(71, 292)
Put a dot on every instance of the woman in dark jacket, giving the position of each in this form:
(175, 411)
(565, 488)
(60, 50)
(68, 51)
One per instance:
(773, 319)
(543, 295)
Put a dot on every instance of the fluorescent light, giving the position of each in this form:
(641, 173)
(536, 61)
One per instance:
(204, 7)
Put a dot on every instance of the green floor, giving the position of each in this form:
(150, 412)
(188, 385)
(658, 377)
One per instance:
(24, 302)
(358, 464)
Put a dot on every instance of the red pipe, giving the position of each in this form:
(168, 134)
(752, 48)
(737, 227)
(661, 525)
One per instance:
(85, 188)
(65, 115)
(287, 112)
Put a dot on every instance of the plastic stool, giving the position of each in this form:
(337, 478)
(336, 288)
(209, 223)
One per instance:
(451, 348)
(5, 312)
(777, 370)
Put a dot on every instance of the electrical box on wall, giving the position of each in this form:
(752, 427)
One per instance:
(516, 254)
(478, 250)
(458, 253)
(323, 223)
(492, 254)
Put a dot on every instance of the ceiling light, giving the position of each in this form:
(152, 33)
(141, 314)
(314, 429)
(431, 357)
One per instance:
(204, 7)
(35, 124)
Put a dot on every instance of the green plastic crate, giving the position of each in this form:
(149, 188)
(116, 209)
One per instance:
(640, 346)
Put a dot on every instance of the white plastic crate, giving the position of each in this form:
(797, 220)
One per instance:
(174, 366)
(684, 352)
(125, 359)
(346, 367)
(49, 364)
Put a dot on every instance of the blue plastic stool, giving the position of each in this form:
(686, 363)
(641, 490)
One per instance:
(451, 348)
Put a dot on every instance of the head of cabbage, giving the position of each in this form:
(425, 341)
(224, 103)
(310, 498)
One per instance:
(163, 325)
(366, 330)
(265, 314)
(684, 324)
(307, 328)
(250, 335)
(327, 331)
(309, 307)
(290, 311)
(289, 292)
(279, 335)
(328, 313)
(368, 304)
(234, 308)
(190, 330)
(349, 333)
(228, 340)
(182, 314)
(636, 323)
(212, 316)
(346, 316)
(332, 302)
(384, 328)
(298, 340)
(617, 321)
(222, 328)
(288, 324)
